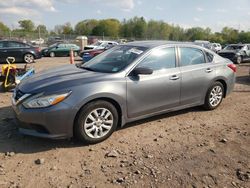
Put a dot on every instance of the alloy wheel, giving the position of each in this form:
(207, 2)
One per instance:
(215, 96)
(28, 58)
(98, 123)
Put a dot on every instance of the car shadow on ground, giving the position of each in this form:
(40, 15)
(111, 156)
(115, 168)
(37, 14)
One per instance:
(243, 80)
(12, 140)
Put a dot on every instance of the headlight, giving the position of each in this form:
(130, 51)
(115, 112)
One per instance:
(41, 101)
(237, 54)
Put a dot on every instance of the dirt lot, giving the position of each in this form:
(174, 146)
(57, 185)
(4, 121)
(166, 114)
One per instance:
(188, 148)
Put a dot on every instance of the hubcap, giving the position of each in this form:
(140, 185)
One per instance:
(238, 60)
(98, 123)
(215, 96)
(29, 58)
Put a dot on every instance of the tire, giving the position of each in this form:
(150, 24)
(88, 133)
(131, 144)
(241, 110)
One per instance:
(239, 60)
(28, 58)
(52, 54)
(95, 118)
(214, 96)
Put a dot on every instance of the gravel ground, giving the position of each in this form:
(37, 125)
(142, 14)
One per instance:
(188, 148)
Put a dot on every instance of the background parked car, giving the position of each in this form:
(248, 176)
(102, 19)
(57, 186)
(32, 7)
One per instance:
(37, 41)
(237, 53)
(100, 45)
(216, 47)
(54, 40)
(60, 49)
(22, 52)
(89, 54)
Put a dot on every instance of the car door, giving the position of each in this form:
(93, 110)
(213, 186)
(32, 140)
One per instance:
(60, 50)
(2, 51)
(196, 74)
(16, 50)
(148, 94)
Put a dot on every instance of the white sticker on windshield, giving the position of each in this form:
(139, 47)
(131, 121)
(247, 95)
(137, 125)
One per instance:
(135, 51)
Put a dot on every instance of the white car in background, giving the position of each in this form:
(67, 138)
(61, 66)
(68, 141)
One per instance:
(100, 45)
(216, 47)
(37, 41)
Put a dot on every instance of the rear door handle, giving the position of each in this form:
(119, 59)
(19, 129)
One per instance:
(174, 77)
(208, 70)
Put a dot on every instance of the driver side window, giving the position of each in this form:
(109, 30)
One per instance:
(159, 59)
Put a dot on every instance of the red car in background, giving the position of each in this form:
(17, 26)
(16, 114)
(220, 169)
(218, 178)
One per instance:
(86, 55)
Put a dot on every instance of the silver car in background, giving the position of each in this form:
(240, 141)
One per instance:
(126, 83)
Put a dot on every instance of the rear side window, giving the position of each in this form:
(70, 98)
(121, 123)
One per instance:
(210, 56)
(1, 44)
(160, 59)
(191, 56)
(16, 45)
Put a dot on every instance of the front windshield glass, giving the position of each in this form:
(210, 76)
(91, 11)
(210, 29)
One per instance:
(233, 47)
(115, 59)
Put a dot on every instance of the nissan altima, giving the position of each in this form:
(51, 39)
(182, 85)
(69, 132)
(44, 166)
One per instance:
(125, 83)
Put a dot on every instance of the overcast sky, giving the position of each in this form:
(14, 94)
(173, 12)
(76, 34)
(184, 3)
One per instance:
(205, 13)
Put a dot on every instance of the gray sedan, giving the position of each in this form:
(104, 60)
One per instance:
(126, 83)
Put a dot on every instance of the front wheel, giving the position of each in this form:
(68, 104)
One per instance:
(214, 96)
(96, 122)
(28, 58)
(239, 60)
(52, 54)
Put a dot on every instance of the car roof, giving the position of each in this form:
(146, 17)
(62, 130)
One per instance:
(153, 43)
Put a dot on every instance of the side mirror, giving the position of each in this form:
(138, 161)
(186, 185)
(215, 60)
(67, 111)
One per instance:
(142, 71)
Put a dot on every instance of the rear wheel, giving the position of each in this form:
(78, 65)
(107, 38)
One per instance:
(96, 122)
(28, 58)
(52, 54)
(214, 96)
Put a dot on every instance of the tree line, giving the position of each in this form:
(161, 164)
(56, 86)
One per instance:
(134, 28)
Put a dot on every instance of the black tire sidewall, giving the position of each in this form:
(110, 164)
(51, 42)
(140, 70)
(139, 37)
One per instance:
(207, 104)
(79, 129)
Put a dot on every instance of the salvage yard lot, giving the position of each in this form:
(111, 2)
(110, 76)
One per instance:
(188, 148)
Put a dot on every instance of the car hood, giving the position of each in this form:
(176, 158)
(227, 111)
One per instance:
(59, 78)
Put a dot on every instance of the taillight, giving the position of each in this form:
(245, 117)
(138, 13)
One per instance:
(232, 66)
(38, 49)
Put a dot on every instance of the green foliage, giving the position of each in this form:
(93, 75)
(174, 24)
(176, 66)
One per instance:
(42, 29)
(85, 27)
(134, 28)
(26, 25)
(3, 29)
(107, 27)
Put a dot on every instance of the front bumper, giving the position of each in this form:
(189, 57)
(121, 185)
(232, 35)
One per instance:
(54, 122)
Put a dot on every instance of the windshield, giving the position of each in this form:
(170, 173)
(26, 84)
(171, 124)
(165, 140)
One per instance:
(233, 47)
(115, 59)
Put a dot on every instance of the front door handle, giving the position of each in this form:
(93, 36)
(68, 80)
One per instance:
(208, 70)
(174, 77)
